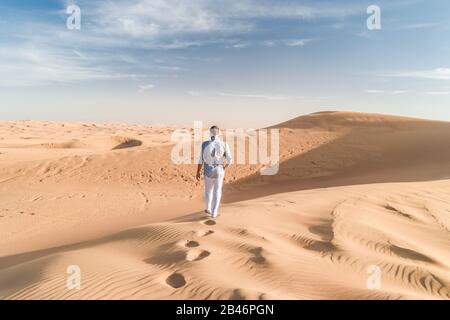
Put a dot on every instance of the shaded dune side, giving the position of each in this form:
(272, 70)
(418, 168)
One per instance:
(367, 149)
(125, 142)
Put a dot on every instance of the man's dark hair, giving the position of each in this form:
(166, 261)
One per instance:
(214, 127)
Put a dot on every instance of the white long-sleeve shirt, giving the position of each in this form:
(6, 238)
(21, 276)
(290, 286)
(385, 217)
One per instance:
(214, 153)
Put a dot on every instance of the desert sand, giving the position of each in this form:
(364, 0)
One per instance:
(353, 191)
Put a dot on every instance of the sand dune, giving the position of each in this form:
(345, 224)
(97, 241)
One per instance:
(354, 191)
(302, 245)
(347, 148)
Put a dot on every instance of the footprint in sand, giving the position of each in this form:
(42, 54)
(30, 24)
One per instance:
(197, 254)
(204, 233)
(209, 222)
(191, 244)
(257, 255)
(176, 280)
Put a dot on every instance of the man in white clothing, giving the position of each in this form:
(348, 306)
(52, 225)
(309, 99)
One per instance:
(215, 158)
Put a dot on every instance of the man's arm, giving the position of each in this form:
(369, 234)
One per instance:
(200, 164)
(228, 156)
(199, 171)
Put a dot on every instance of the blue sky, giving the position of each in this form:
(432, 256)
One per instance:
(234, 63)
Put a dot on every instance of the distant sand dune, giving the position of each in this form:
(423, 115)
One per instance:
(73, 144)
(347, 148)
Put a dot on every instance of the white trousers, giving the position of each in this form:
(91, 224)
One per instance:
(213, 193)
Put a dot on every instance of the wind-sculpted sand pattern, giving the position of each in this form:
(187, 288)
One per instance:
(277, 247)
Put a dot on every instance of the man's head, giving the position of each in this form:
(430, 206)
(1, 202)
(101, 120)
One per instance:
(214, 131)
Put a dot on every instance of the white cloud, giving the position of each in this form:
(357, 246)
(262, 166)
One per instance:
(396, 92)
(420, 26)
(391, 92)
(288, 42)
(136, 29)
(145, 87)
(178, 44)
(437, 93)
(236, 44)
(435, 74)
(254, 96)
(297, 42)
(60, 55)
(157, 19)
(63, 55)
(43, 65)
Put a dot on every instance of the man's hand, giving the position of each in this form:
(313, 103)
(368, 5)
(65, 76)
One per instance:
(199, 171)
